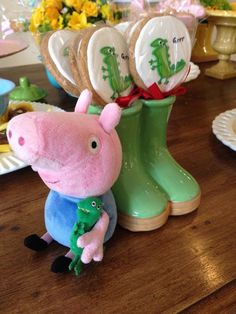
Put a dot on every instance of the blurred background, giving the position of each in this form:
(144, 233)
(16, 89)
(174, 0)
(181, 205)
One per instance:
(14, 22)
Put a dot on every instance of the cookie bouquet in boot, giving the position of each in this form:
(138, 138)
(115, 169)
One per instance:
(152, 185)
(98, 59)
(78, 156)
(153, 53)
(160, 51)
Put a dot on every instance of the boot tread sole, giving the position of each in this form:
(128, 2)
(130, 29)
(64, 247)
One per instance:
(183, 208)
(143, 224)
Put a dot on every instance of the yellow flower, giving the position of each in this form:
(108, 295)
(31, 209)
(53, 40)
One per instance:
(32, 27)
(78, 21)
(37, 17)
(76, 4)
(55, 24)
(106, 11)
(90, 8)
(61, 22)
(57, 4)
(69, 3)
(52, 13)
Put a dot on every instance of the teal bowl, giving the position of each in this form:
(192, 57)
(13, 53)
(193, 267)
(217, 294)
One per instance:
(6, 87)
(52, 80)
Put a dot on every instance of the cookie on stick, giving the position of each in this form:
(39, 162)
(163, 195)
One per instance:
(55, 52)
(100, 63)
(160, 51)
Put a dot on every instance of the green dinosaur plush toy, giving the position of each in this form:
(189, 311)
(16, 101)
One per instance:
(88, 212)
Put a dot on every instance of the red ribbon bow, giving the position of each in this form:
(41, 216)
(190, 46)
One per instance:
(153, 92)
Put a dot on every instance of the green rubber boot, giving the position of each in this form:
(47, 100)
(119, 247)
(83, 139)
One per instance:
(142, 204)
(181, 187)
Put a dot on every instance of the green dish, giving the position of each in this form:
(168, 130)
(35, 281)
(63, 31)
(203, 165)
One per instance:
(26, 91)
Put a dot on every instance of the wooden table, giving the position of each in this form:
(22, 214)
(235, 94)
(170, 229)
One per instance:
(188, 265)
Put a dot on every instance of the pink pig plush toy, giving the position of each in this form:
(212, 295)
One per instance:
(77, 155)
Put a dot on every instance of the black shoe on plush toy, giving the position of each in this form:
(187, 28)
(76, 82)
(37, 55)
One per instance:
(77, 155)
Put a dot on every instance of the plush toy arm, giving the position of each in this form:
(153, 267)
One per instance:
(92, 241)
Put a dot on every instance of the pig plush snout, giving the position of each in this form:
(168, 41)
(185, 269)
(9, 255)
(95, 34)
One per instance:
(23, 137)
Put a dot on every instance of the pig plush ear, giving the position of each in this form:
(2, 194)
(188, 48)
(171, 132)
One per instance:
(110, 117)
(83, 101)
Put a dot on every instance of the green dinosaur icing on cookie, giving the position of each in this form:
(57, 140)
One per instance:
(66, 52)
(117, 83)
(88, 213)
(162, 61)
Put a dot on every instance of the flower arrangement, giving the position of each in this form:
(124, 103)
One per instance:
(70, 14)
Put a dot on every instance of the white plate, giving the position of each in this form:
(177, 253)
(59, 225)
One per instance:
(8, 161)
(224, 128)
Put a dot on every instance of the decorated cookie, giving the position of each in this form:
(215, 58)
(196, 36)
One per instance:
(122, 27)
(160, 51)
(130, 29)
(74, 61)
(102, 64)
(55, 52)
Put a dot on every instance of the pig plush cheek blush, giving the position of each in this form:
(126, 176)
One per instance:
(78, 156)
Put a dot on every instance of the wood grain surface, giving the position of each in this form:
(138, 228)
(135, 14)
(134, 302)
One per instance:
(188, 265)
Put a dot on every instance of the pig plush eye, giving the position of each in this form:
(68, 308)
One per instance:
(94, 144)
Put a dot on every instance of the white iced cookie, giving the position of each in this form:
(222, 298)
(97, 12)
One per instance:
(103, 64)
(122, 27)
(55, 52)
(160, 51)
(130, 30)
(74, 48)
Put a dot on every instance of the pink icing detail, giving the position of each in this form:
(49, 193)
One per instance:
(10, 134)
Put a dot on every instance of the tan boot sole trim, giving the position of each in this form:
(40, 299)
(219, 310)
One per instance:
(182, 208)
(143, 224)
